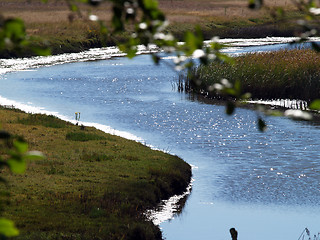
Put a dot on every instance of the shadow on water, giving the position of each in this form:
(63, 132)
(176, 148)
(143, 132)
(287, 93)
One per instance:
(169, 209)
(280, 105)
(181, 204)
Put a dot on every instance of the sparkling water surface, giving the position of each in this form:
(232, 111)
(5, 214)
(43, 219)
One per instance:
(266, 185)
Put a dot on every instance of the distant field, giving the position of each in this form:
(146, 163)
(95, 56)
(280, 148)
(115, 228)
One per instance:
(186, 11)
(228, 18)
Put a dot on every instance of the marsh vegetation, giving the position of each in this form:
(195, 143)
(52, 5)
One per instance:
(285, 74)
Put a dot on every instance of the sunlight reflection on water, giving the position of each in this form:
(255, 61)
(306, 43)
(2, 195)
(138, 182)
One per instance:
(265, 184)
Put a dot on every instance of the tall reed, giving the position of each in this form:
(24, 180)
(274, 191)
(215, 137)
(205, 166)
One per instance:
(293, 74)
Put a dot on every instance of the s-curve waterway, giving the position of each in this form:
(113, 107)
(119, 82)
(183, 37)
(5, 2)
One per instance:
(266, 185)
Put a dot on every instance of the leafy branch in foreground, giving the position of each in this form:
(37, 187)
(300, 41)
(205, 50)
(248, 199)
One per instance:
(13, 149)
(13, 37)
(234, 96)
(149, 25)
(13, 155)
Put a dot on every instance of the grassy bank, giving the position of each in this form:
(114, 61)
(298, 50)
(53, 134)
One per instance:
(293, 74)
(91, 185)
(49, 24)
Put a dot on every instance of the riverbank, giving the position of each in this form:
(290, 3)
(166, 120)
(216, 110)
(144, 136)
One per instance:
(53, 25)
(72, 194)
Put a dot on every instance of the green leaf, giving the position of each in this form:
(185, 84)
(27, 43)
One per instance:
(156, 59)
(3, 180)
(251, 4)
(20, 146)
(255, 4)
(315, 105)
(230, 91)
(7, 228)
(74, 8)
(225, 58)
(4, 135)
(103, 28)
(150, 4)
(315, 46)
(230, 107)
(312, 4)
(217, 46)
(14, 30)
(95, 2)
(274, 113)
(131, 52)
(262, 126)
(246, 96)
(41, 51)
(16, 165)
(237, 87)
(116, 19)
(190, 42)
(280, 11)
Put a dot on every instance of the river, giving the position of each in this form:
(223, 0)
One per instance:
(266, 185)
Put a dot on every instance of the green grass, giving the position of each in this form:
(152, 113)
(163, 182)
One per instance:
(83, 137)
(44, 120)
(293, 74)
(93, 189)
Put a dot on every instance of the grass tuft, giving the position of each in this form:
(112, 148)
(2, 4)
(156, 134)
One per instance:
(83, 137)
(44, 120)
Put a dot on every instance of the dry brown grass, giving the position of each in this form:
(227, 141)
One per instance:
(176, 10)
(285, 74)
(37, 12)
(224, 18)
(204, 10)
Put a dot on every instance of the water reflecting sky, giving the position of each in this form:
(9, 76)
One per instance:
(264, 184)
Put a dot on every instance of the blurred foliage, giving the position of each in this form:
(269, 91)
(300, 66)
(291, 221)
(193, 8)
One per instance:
(13, 37)
(13, 155)
(13, 149)
(150, 27)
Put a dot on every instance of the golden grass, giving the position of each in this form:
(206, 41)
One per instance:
(285, 74)
(176, 10)
(229, 18)
(205, 10)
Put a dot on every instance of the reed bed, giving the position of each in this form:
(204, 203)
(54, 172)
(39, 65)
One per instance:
(284, 74)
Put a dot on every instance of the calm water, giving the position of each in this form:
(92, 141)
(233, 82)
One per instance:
(266, 185)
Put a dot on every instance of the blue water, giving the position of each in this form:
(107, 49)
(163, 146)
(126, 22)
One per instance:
(266, 185)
